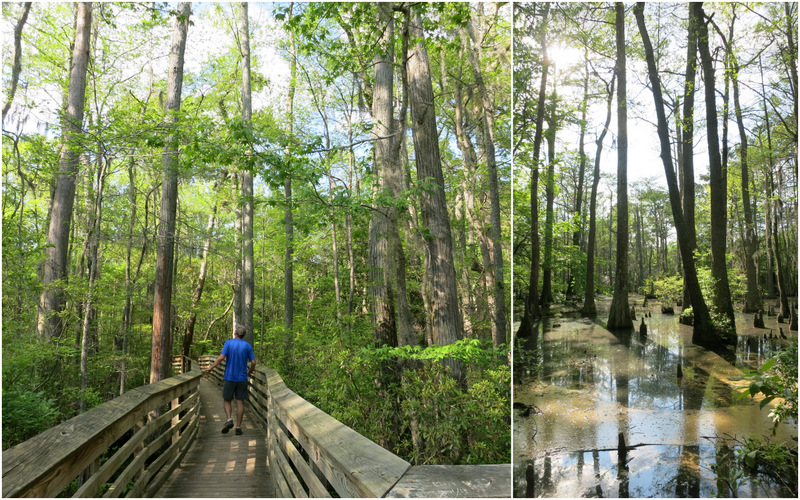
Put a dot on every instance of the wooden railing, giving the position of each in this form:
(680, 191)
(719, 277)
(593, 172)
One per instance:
(125, 447)
(182, 364)
(311, 454)
(130, 445)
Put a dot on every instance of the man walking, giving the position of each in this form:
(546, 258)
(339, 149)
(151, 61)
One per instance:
(235, 382)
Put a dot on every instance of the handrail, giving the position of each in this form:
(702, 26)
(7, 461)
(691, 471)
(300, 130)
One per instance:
(182, 364)
(311, 454)
(352, 464)
(130, 445)
(132, 442)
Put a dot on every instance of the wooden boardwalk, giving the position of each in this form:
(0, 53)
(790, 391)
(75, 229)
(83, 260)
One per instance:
(222, 465)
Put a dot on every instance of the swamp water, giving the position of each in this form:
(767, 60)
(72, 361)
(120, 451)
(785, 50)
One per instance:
(592, 384)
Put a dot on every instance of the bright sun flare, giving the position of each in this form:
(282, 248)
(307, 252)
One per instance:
(564, 56)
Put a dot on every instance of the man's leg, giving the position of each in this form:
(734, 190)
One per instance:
(227, 405)
(229, 422)
(227, 397)
(241, 395)
(239, 412)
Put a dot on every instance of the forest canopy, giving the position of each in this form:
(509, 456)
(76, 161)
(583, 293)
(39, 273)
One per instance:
(574, 199)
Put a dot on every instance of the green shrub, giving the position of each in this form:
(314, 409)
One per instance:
(403, 398)
(668, 289)
(456, 425)
(26, 414)
(777, 379)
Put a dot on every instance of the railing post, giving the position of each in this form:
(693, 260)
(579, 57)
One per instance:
(176, 419)
(140, 448)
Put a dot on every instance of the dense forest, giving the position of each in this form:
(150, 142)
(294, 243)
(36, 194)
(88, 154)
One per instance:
(335, 177)
(687, 191)
(655, 216)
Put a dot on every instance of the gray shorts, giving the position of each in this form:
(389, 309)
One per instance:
(238, 389)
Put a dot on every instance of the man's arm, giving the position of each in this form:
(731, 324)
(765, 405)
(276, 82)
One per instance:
(252, 367)
(216, 362)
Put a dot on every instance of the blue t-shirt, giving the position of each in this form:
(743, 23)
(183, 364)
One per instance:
(237, 354)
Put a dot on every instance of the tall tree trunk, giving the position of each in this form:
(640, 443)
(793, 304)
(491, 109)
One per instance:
(387, 258)
(791, 29)
(577, 211)
(770, 283)
(399, 180)
(94, 272)
(639, 252)
(51, 301)
(752, 300)
(783, 286)
(589, 307)
(248, 271)
(16, 66)
(380, 290)
(351, 259)
(687, 148)
(497, 274)
(549, 183)
(772, 223)
(610, 246)
(84, 262)
(772, 229)
(470, 221)
(288, 265)
(188, 337)
(717, 181)
(389, 299)
(337, 287)
(619, 316)
(161, 354)
(532, 303)
(236, 317)
(447, 322)
(127, 311)
(263, 275)
(704, 331)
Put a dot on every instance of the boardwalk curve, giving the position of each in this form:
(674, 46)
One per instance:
(163, 440)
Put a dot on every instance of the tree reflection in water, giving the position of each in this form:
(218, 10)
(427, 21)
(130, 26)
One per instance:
(591, 384)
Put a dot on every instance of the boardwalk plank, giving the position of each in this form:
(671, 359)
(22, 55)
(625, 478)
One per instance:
(222, 465)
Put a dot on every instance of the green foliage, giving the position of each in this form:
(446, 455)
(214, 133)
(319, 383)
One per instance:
(736, 280)
(471, 351)
(402, 397)
(26, 414)
(668, 289)
(753, 461)
(729, 477)
(88, 398)
(776, 380)
(453, 425)
(768, 457)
